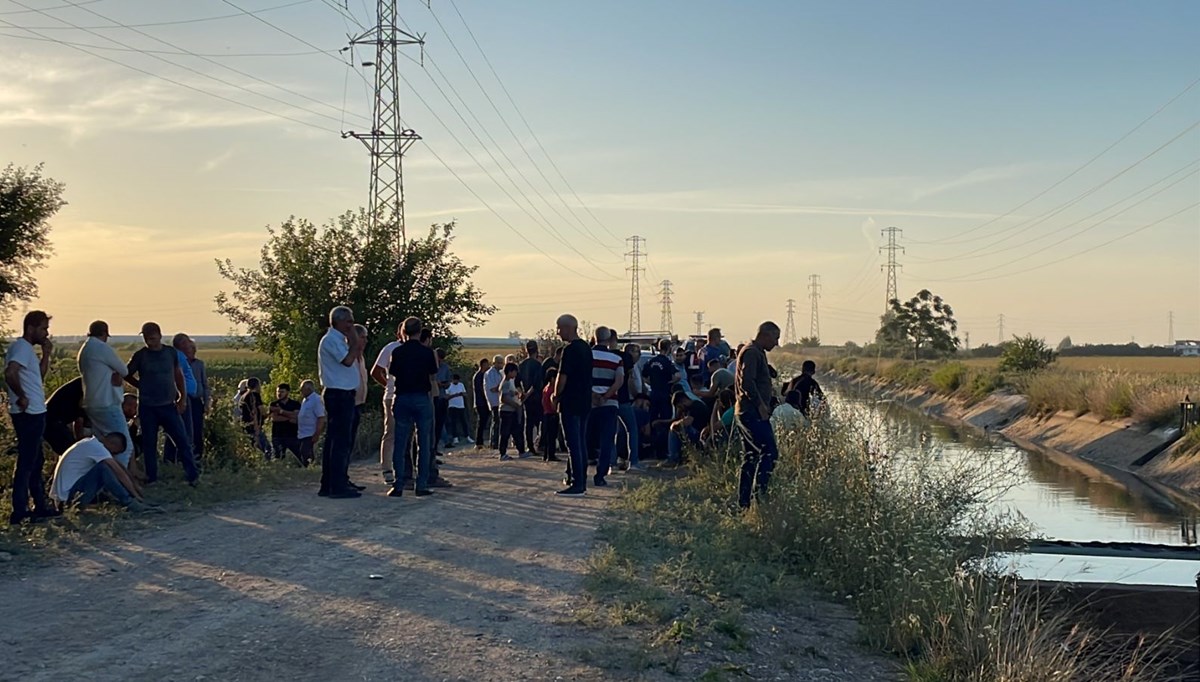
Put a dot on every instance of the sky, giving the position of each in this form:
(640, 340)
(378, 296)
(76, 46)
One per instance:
(1042, 160)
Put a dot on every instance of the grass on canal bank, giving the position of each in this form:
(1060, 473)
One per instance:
(1103, 391)
(855, 526)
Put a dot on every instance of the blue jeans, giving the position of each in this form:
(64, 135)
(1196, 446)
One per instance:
(170, 452)
(27, 477)
(413, 410)
(99, 478)
(111, 419)
(629, 434)
(573, 426)
(675, 443)
(604, 422)
(335, 454)
(167, 417)
(758, 439)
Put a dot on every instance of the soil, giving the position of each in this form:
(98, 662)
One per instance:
(479, 582)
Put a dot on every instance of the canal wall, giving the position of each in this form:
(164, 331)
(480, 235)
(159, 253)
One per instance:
(1118, 450)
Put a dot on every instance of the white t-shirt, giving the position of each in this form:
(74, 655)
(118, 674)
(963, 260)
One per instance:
(74, 465)
(334, 348)
(455, 393)
(491, 386)
(21, 352)
(312, 408)
(787, 418)
(385, 360)
(97, 361)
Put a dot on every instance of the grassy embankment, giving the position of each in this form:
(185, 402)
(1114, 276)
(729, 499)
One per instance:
(878, 533)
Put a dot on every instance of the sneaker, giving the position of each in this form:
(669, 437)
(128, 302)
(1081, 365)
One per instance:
(636, 469)
(47, 513)
(552, 458)
(139, 507)
(389, 476)
(424, 493)
(344, 494)
(441, 483)
(396, 491)
(525, 455)
(454, 443)
(470, 440)
(571, 492)
(599, 482)
(505, 458)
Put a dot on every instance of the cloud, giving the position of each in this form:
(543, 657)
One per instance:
(979, 176)
(216, 161)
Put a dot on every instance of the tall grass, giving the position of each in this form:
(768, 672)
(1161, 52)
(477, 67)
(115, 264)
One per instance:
(879, 530)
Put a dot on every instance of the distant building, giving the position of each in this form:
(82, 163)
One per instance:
(1187, 347)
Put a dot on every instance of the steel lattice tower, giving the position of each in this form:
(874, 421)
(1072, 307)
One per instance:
(892, 266)
(388, 139)
(1000, 328)
(814, 295)
(635, 289)
(699, 321)
(667, 322)
(789, 334)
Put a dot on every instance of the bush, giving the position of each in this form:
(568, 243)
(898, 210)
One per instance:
(1026, 354)
(983, 384)
(949, 377)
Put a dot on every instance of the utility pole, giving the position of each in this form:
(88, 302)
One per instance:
(892, 266)
(1001, 328)
(789, 335)
(967, 335)
(814, 295)
(635, 290)
(1170, 327)
(667, 322)
(388, 139)
(699, 321)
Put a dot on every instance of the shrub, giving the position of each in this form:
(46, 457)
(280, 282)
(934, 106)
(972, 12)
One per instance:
(983, 384)
(949, 377)
(1026, 354)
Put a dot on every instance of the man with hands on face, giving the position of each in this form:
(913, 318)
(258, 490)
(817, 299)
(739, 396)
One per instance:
(23, 374)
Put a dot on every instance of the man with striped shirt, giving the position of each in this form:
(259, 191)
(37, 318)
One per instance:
(607, 378)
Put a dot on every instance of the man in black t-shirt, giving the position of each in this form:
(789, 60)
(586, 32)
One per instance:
(573, 396)
(284, 413)
(660, 372)
(252, 415)
(807, 387)
(65, 416)
(414, 368)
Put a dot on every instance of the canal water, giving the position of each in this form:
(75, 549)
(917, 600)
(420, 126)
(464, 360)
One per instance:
(1060, 502)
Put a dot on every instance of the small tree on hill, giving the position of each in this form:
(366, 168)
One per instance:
(28, 200)
(1026, 354)
(924, 322)
(306, 270)
(810, 342)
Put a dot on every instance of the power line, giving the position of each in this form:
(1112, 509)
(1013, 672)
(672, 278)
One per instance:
(525, 121)
(151, 24)
(1070, 175)
(177, 53)
(43, 10)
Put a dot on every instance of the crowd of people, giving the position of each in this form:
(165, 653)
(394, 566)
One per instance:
(600, 403)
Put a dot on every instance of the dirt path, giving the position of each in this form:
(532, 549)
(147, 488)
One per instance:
(478, 583)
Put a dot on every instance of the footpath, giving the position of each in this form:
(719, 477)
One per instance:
(478, 582)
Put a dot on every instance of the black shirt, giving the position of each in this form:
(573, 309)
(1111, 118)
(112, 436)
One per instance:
(576, 398)
(252, 410)
(807, 387)
(66, 404)
(624, 397)
(533, 379)
(477, 386)
(658, 371)
(285, 429)
(412, 365)
(700, 414)
(548, 364)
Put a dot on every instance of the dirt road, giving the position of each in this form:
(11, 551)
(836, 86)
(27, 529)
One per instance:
(475, 583)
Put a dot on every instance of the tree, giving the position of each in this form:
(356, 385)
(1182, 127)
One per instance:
(28, 200)
(810, 342)
(1025, 354)
(306, 270)
(925, 321)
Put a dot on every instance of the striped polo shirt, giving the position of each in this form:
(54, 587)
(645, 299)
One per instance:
(605, 365)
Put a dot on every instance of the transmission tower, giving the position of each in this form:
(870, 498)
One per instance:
(635, 290)
(699, 321)
(1000, 323)
(1170, 327)
(667, 322)
(814, 295)
(388, 139)
(789, 334)
(892, 266)
(968, 340)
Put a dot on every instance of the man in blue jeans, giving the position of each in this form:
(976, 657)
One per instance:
(23, 373)
(573, 397)
(753, 390)
(337, 358)
(413, 368)
(608, 376)
(87, 469)
(162, 398)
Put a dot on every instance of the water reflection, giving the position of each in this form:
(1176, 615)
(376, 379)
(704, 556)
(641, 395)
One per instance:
(1061, 502)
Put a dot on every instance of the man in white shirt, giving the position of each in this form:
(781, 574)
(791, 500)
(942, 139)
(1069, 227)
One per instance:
(379, 372)
(339, 351)
(88, 468)
(310, 421)
(103, 375)
(491, 389)
(23, 373)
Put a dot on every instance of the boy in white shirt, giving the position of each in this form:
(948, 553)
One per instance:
(456, 413)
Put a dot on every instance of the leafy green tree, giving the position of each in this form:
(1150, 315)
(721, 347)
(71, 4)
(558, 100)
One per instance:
(924, 322)
(28, 199)
(810, 342)
(305, 270)
(1025, 354)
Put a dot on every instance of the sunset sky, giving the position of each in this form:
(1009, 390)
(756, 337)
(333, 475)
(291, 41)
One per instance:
(1042, 159)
